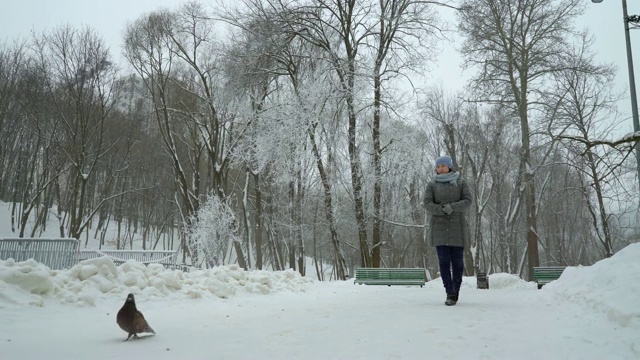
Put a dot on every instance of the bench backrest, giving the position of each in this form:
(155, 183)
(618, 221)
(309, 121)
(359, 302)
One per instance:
(546, 274)
(548, 271)
(57, 254)
(391, 273)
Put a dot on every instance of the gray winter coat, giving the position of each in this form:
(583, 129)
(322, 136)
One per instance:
(446, 229)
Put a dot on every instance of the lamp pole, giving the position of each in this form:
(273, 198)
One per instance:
(632, 81)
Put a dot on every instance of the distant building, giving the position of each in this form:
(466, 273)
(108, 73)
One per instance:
(133, 100)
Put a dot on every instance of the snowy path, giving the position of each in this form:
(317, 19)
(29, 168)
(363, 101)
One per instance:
(328, 321)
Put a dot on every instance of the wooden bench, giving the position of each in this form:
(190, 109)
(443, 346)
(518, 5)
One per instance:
(393, 276)
(55, 253)
(167, 258)
(546, 274)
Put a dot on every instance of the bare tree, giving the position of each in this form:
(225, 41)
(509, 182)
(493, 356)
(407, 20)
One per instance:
(585, 104)
(153, 55)
(175, 53)
(480, 131)
(79, 80)
(401, 40)
(503, 219)
(42, 164)
(13, 59)
(516, 46)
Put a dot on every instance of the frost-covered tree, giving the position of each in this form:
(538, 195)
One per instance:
(211, 231)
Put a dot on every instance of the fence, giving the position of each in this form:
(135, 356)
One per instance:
(167, 258)
(57, 254)
(62, 253)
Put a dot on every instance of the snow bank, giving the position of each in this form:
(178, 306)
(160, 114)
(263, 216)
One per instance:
(496, 281)
(509, 281)
(610, 285)
(30, 282)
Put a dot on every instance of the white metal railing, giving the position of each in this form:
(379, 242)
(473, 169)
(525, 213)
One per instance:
(167, 258)
(64, 253)
(57, 254)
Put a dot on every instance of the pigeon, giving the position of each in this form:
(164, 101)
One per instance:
(131, 320)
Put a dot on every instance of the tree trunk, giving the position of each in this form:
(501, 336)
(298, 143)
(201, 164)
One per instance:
(526, 172)
(248, 238)
(606, 234)
(258, 221)
(340, 264)
(241, 259)
(377, 170)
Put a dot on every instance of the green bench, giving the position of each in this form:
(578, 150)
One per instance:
(546, 274)
(394, 276)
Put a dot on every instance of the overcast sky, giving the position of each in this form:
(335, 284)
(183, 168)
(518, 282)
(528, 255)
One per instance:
(108, 17)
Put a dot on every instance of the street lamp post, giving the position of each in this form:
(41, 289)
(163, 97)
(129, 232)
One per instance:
(632, 81)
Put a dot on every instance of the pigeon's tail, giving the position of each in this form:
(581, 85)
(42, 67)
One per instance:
(148, 329)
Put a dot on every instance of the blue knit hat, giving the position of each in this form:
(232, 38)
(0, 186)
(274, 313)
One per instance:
(445, 160)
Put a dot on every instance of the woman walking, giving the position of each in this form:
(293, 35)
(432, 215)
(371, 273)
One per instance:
(446, 199)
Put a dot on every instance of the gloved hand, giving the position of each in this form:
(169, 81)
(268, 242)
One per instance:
(447, 209)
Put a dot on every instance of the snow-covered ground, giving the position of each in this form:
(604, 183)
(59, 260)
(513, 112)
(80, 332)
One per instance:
(227, 313)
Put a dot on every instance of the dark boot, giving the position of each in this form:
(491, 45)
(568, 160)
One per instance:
(451, 300)
(455, 297)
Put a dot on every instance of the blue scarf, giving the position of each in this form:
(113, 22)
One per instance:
(450, 177)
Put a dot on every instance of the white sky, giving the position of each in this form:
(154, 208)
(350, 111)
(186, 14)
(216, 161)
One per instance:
(108, 17)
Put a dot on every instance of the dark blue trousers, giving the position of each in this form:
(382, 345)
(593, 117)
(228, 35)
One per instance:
(451, 260)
